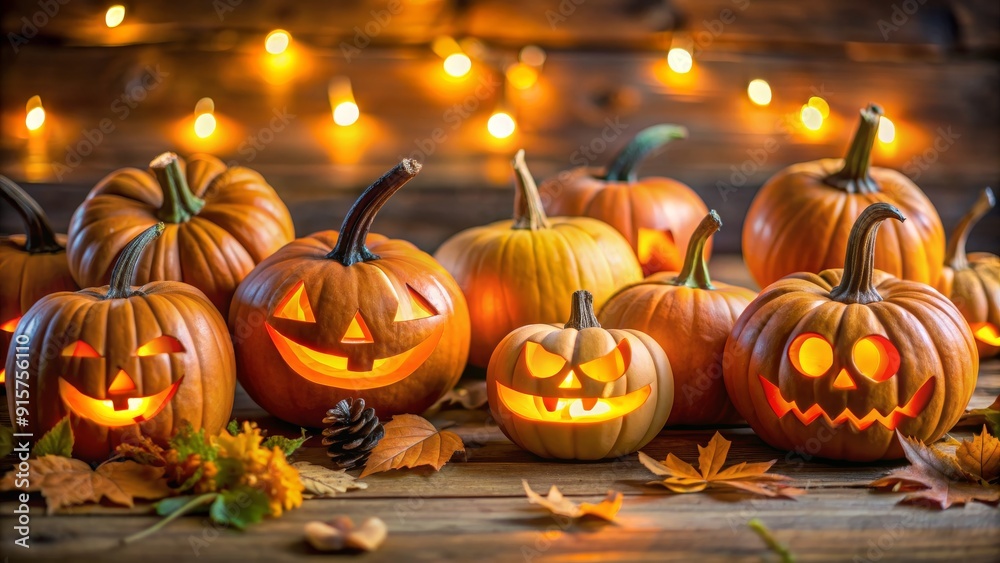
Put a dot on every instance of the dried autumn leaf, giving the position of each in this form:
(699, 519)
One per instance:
(411, 441)
(980, 456)
(324, 482)
(682, 477)
(341, 533)
(556, 503)
(470, 396)
(65, 481)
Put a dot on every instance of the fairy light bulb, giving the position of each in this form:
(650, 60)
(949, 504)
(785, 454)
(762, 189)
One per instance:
(886, 130)
(114, 16)
(811, 118)
(204, 121)
(679, 60)
(457, 64)
(277, 41)
(501, 125)
(345, 110)
(34, 116)
(759, 92)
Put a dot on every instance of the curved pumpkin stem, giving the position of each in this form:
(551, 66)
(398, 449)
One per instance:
(581, 314)
(179, 204)
(39, 236)
(956, 258)
(350, 248)
(123, 274)
(694, 273)
(623, 165)
(859, 264)
(529, 213)
(855, 177)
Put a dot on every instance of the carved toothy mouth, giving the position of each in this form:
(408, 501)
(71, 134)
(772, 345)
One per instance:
(569, 409)
(114, 413)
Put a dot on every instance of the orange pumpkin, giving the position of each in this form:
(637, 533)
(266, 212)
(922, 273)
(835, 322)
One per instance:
(350, 314)
(32, 265)
(220, 222)
(579, 391)
(973, 281)
(691, 317)
(657, 216)
(800, 219)
(835, 364)
(518, 272)
(121, 359)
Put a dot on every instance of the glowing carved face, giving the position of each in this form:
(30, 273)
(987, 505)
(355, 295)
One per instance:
(122, 404)
(873, 358)
(8, 327)
(568, 405)
(986, 333)
(340, 368)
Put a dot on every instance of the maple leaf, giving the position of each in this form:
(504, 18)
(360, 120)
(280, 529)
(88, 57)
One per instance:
(411, 441)
(936, 478)
(682, 477)
(341, 533)
(65, 481)
(556, 503)
(980, 457)
(323, 482)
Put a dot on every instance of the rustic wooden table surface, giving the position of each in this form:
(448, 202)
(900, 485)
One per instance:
(475, 509)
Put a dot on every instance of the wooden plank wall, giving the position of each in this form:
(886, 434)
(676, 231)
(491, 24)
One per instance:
(932, 64)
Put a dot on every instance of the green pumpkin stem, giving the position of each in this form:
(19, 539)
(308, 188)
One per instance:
(179, 204)
(39, 236)
(956, 258)
(623, 166)
(529, 213)
(581, 314)
(694, 273)
(855, 176)
(123, 274)
(350, 248)
(859, 264)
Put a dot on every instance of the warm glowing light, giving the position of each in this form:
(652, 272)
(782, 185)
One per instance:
(532, 55)
(10, 325)
(204, 125)
(611, 366)
(574, 410)
(501, 125)
(986, 333)
(115, 15)
(680, 60)
(811, 118)
(3, 376)
(345, 110)
(522, 76)
(204, 105)
(759, 91)
(116, 411)
(420, 308)
(457, 64)
(571, 381)
(346, 113)
(121, 383)
(277, 41)
(35, 116)
(811, 354)
(160, 345)
(657, 251)
(357, 332)
(886, 130)
(821, 106)
(540, 362)
(80, 349)
(295, 305)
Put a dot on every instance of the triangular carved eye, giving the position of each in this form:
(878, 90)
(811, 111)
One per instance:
(160, 345)
(542, 363)
(611, 366)
(420, 308)
(357, 331)
(295, 306)
(80, 349)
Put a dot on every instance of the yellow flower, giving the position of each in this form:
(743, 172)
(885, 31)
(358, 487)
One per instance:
(281, 483)
(263, 469)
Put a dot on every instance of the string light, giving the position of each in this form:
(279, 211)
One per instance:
(679, 59)
(115, 15)
(501, 125)
(821, 106)
(277, 41)
(524, 73)
(35, 113)
(341, 96)
(811, 117)
(759, 91)
(204, 121)
(456, 63)
(532, 55)
(886, 130)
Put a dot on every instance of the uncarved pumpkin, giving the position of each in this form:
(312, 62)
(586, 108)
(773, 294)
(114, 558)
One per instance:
(834, 364)
(519, 272)
(121, 359)
(657, 216)
(800, 219)
(691, 317)
(220, 222)
(579, 391)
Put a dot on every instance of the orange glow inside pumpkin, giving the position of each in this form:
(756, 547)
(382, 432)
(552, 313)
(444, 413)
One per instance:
(876, 358)
(3, 376)
(420, 308)
(10, 325)
(610, 366)
(986, 333)
(117, 410)
(160, 345)
(542, 363)
(811, 354)
(357, 332)
(657, 250)
(80, 349)
(577, 410)
(295, 305)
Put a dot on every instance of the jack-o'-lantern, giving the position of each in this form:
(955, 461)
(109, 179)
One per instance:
(32, 265)
(834, 364)
(691, 317)
(800, 219)
(518, 272)
(121, 359)
(579, 391)
(972, 281)
(350, 314)
(656, 215)
(220, 222)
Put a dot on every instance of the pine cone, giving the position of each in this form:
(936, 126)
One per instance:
(353, 432)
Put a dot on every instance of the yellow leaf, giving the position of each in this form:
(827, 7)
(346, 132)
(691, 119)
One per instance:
(411, 441)
(980, 456)
(712, 456)
(323, 482)
(556, 503)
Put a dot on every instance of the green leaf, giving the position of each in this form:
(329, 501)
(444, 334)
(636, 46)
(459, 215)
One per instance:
(234, 427)
(6, 440)
(170, 505)
(57, 441)
(228, 472)
(239, 507)
(187, 442)
(993, 421)
(287, 445)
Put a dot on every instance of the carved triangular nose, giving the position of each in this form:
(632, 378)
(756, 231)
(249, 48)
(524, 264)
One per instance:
(571, 381)
(357, 332)
(844, 381)
(122, 383)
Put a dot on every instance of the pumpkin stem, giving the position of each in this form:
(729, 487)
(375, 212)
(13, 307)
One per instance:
(859, 264)
(179, 204)
(694, 273)
(529, 213)
(39, 236)
(956, 258)
(581, 314)
(123, 274)
(350, 248)
(623, 165)
(854, 176)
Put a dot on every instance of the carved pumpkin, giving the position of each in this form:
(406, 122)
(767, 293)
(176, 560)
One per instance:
(220, 222)
(972, 281)
(833, 364)
(32, 265)
(656, 215)
(690, 316)
(350, 314)
(119, 359)
(518, 272)
(800, 219)
(579, 391)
